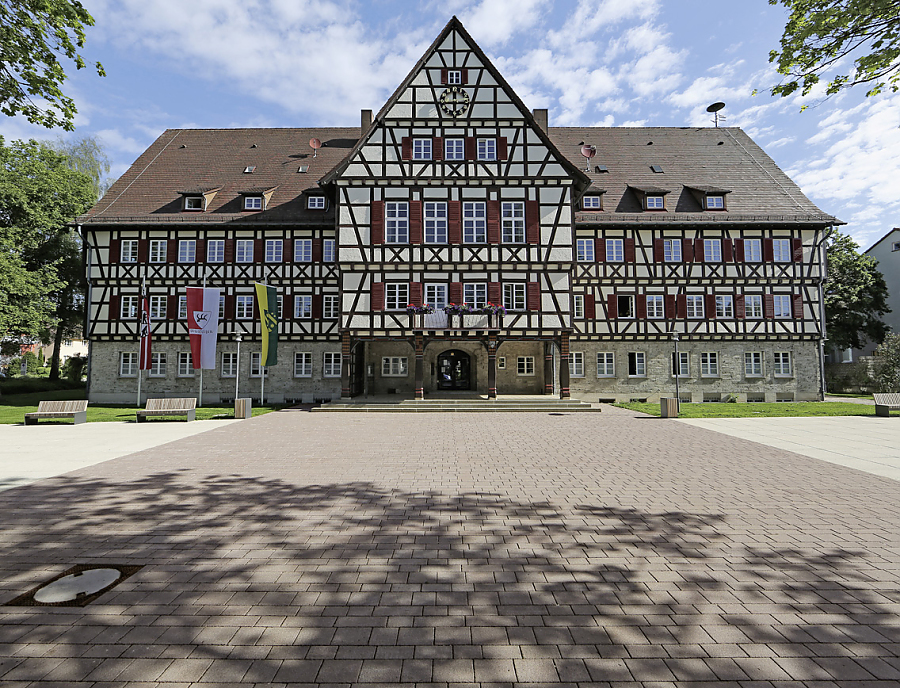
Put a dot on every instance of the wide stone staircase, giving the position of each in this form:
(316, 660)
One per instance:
(462, 405)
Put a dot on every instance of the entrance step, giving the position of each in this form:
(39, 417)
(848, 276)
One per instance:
(461, 406)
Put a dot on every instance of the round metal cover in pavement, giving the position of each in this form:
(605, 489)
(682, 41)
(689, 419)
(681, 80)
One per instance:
(71, 587)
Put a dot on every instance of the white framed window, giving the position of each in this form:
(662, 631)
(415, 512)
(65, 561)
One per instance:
(182, 307)
(694, 305)
(158, 307)
(328, 250)
(591, 202)
(782, 306)
(709, 364)
(396, 296)
(578, 305)
(513, 222)
(255, 368)
(681, 366)
(394, 366)
(215, 250)
(273, 250)
(243, 250)
(193, 203)
(846, 355)
(454, 149)
(672, 250)
(656, 202)
(781, 250)
(128, 251)
(783, 364)
(243, 307)
(712, 250)
(435, 222)
(501, 362)
(157, 364)
(279, 307)
(625, 305)
(187, 250)
(895, 246)
(655, 306)
(436, 295)
(474, 222)
(584, 250)
(302, 364)
(513, 297)
(128, 307)
(331, 307)
(185, 364)
(421, 149)
(576, 364)
(303, 307)
(396, 222)
(724, 306)
(229, 364)
(752, 250)
(637, 364)
(606, 364)
(221, 307)
(615, 250)
(128, 364)
(753, 306)
(315, 202)
(253, 202)
(525, 365)
(753, 364)
(715, 203)
(158, 249)
(475, 294)
(487, 149)
(331, 364)
(302, 250)
(454, 77)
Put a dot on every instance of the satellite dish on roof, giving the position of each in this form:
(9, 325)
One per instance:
(315, 144)
(588, 152)
(714, 108)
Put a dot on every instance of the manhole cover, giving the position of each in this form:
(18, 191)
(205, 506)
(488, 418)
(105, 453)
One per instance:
(77, 587)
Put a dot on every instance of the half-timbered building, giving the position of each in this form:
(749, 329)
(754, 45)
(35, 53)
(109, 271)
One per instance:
(577, 273)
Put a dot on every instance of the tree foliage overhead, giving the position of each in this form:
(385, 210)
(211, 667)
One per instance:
(855, 296)
(820, 37)
(87, 155)
(887, 365)
(35, 35)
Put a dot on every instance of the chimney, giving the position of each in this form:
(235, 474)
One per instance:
(541, 118)
(365, 120)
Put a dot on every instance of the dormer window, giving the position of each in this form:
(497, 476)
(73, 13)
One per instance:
(592, 202)
(715, 202)
(193, 202)
(315, 203)
(655, 203)
(253, 203)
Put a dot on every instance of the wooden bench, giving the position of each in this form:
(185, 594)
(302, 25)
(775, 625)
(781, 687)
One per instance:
(168, 407)
(76, 410)
(885, 403)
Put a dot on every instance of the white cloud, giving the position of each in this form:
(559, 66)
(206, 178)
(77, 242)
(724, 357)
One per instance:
(493, 23)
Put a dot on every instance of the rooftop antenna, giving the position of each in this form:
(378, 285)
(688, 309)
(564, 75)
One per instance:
(714, 108)
(315, 144)
(588, 152)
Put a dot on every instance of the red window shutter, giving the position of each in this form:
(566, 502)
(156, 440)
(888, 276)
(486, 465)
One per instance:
(768, 250)
(659, 251)
(200, 250)
(444, 71)
(493, 222)
(229, 307)
(437, 148)
(455, 292)
(590, 307)
(739, 250)
(317, 306)
(259, 250)
(115, 251)
(740, 310)
(798, 250)
(317, 250)
(255, 308)
(768, 306)
(172, 251)
(471, 148)
(533, 222)
(415, 222)
(464, 75)
(533, 296)
(377, 223)
(113, 307)
(681, 306)
(727, 251)
(454, 222)
(599, 250)
(229, 250)
(687, 250)
(798, 306)
(628, 246)
(699, 254)
(640, 305)
(406, 148)
(669, 302)
(377, 295)
(494, 293)
(143, 250)
(172, 307)
(710, 306)
(502, 148)
(416, 293)
(612, 306)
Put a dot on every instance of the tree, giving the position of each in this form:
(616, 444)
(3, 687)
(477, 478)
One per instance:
(820, 34)
(887, 364)
(34, 36)
(87, 155)
(855, 295)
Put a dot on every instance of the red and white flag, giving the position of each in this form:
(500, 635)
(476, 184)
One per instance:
(203, 325)
(146, 358)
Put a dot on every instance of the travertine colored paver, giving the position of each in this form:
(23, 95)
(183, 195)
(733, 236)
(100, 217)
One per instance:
(468, 549)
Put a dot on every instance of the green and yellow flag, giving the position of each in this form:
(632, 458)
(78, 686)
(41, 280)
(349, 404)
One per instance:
(267, 298)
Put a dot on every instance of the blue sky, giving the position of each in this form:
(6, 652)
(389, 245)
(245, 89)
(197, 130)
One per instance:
(287, 63)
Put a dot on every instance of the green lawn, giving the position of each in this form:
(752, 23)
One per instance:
(761, 410)
(13, 408)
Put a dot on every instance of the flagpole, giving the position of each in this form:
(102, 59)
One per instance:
(262, 384)
(140, 375)
(200, 399)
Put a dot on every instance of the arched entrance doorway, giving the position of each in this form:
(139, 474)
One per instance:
(454, 370)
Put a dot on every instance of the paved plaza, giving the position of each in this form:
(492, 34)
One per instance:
(607, 549)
